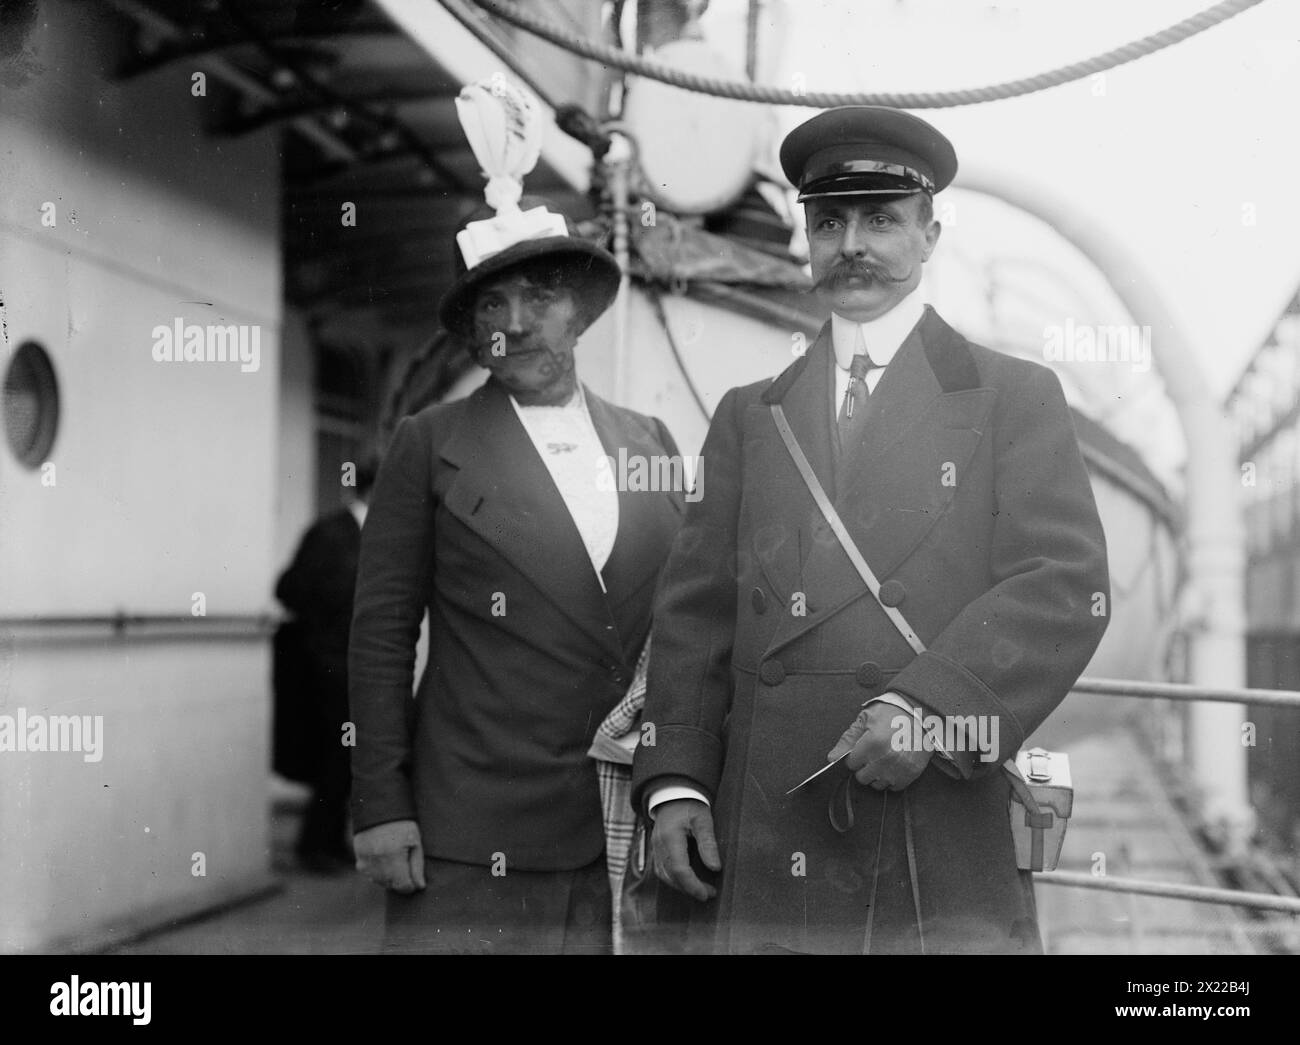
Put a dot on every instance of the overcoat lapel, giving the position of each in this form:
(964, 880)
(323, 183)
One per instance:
(807, 408)
(779, 540)
(505, 494)
(916, 444)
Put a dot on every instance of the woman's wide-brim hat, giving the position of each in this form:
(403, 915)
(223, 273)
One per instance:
(591, 271)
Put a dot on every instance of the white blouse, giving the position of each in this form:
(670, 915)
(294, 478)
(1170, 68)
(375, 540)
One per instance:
(569, 446)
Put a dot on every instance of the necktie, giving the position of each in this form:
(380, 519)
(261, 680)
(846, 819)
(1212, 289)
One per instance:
(853, 407)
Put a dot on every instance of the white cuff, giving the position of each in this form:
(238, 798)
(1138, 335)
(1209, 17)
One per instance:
(672, 794)
(892, 698)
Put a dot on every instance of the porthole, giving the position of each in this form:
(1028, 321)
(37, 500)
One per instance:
(30, 405)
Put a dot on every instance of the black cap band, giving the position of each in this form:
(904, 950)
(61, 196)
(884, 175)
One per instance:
(871, 177)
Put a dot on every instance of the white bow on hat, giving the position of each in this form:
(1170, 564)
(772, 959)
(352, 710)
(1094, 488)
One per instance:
(504, 128)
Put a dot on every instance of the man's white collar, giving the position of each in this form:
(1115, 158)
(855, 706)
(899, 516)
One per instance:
(883, 336)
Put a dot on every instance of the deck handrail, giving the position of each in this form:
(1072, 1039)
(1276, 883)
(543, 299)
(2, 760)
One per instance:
(1186, 693)
(264, 623)
(1174, 890)
(72, 627)
(1282, 698)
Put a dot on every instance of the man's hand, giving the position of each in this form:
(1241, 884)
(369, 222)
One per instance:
(872, 755)
(675, 822)
(391, 855)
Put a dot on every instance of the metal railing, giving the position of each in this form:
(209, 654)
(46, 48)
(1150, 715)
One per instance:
(121, 624)
(1280, 698)
(1177, 890)
(1172, 890)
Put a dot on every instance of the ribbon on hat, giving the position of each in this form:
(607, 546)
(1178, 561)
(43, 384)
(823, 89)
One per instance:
(504, 127)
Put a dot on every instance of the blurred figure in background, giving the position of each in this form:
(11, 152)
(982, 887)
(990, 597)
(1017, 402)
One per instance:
(317, 589)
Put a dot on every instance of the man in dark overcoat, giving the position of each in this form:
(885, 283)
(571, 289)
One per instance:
(957, 474)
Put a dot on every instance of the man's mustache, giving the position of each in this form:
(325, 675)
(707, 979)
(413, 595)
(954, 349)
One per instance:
(843, 271)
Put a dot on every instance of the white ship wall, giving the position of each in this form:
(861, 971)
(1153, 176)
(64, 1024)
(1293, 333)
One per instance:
(164, 488)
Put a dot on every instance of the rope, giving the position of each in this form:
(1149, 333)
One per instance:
(752, 92)
(656, 302)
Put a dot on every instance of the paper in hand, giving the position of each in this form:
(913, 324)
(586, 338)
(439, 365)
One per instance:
(809, 780)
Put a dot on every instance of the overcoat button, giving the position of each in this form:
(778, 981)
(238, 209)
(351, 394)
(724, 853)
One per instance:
(759, 600)
(869, 674)
(772, 673)
(892, 593)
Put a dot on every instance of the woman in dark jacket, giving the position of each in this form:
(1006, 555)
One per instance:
(476, 804)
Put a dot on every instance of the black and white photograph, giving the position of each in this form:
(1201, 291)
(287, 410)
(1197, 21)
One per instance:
(650, 479)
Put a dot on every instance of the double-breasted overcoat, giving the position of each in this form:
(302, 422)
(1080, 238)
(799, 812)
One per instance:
(969, 498)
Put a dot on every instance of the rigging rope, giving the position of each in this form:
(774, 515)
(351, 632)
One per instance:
(752, 92)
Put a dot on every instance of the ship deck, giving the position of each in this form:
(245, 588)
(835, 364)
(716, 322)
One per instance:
(1123, 809)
